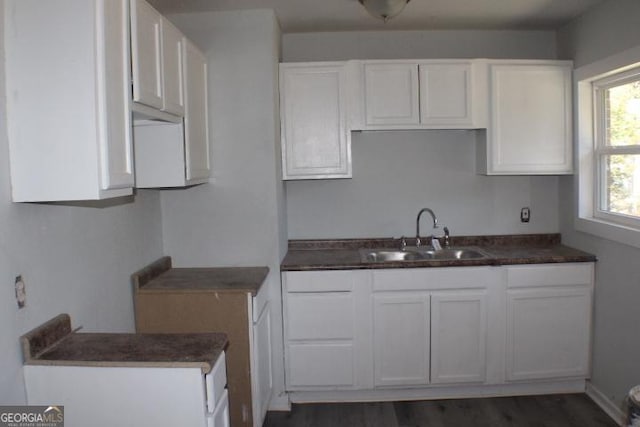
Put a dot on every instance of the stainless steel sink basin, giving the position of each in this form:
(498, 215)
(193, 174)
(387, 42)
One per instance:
(419, 254)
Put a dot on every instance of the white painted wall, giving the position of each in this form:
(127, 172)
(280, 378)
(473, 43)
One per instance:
(397, 173)
(610, 28)
(74, 259)
(340, 46)
(238, 218)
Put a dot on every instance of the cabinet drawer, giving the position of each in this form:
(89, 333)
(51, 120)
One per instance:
(320, 364)
(318, 281)
(220, 416)
(216, 381)
(313, 316)
(550, 275)
(426, 279)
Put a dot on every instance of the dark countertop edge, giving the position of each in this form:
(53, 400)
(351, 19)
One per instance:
(437, 264)
(544, 239)
(206, 367)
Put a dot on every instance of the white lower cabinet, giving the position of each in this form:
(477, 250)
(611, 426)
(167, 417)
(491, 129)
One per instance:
(325, 347)
(143, 395)
(431, 332)
(548, 321)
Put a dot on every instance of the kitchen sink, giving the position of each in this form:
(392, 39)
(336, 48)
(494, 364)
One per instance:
(419, 254)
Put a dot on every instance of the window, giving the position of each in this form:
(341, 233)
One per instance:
(617, 148)
(607, 185)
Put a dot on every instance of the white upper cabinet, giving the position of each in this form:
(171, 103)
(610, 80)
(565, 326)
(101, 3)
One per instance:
(172, 69)
(196, 129)
(146, 48)
(157, 63)
(316, 142)
(68, 96)
(430, 94)
(177, 154)
(391, 94)
(529, 129)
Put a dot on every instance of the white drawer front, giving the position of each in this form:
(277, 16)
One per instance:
(419, 279)
(320, 316)
(318, 281)
(549, 275)
(216, 381)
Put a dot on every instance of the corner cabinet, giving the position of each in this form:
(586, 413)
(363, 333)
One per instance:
(176, 153)
(529, 129)
(316, 139)
(68, 95)
(191, 302)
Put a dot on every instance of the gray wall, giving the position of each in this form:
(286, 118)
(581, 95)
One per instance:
(606, 30)
(397, 173)
(340, 46)
(239, 220)
(73, 259)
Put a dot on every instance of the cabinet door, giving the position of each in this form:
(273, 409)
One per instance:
(548, 332)
(530, 119)
(445, 95)
(172, 81)
(196, 128)
(114, 117)
(401, 339)
(316, 143)
(458, 336)
(391, 94)
(262, 366)
(146, 53)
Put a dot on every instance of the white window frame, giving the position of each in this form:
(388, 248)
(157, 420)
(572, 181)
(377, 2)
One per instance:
(601, 149)
(589, 218)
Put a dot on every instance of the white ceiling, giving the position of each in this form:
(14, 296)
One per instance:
(349, 15)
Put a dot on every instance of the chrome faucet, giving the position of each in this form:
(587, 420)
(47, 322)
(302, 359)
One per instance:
(435, 223)
(447, 238)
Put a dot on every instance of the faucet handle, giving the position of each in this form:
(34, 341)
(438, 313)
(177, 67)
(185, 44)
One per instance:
(403, 243)
(447, 238)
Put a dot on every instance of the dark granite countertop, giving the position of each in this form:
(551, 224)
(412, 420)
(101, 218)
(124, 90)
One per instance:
(342, 254)
(54, 343)
(160, 277)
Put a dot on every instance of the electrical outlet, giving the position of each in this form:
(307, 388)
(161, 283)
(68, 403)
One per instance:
(525, 215)
(21, 292)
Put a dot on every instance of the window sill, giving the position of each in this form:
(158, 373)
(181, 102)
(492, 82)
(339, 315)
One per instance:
(610, 231)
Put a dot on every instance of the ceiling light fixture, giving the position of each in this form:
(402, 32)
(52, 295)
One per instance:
(384, 9)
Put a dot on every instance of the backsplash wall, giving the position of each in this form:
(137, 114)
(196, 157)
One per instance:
(397, 173)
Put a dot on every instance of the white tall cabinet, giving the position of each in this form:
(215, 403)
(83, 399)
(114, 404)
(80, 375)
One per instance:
(68, 95)
(316, 139)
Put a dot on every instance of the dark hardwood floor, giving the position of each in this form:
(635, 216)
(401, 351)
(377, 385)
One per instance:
(563, 410)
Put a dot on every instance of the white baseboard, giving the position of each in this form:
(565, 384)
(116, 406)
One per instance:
(280, 403)
(606, 404)
(440, 392)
